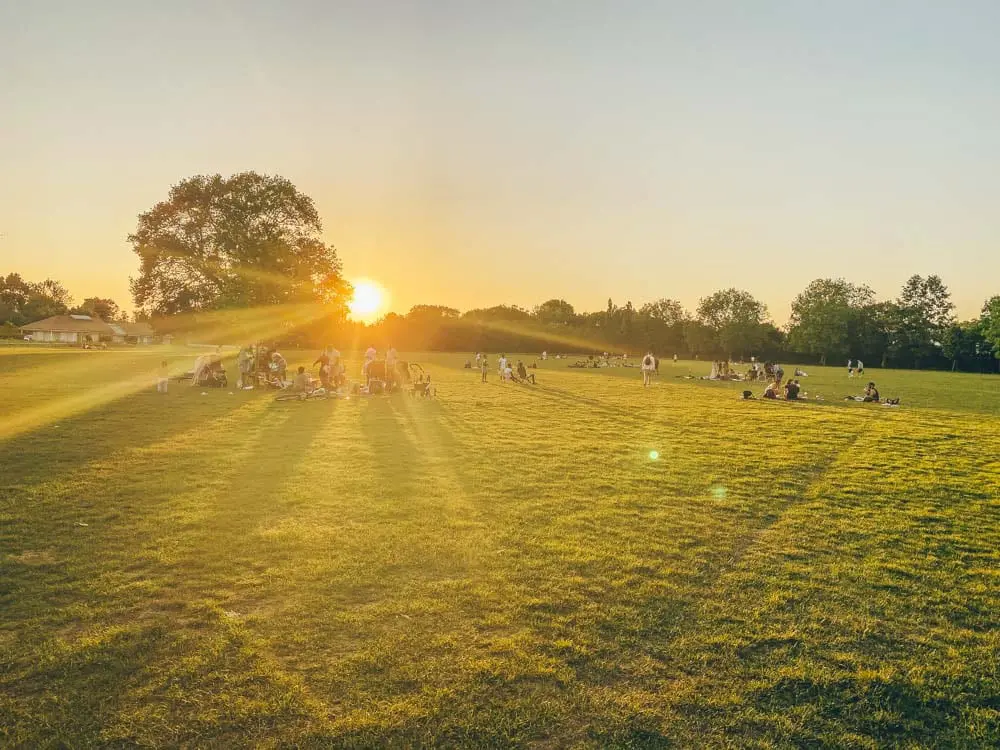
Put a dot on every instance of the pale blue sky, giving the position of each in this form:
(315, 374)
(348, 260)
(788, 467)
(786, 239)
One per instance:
(474, 153)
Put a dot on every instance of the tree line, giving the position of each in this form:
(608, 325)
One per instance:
(252, 241)
(832, 321)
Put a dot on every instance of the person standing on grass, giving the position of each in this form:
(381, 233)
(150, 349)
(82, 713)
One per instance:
(648, 366)
(502, 365)
(391, 358)
(484, 366)
(850, 368)
(163, 381)
(860, 368)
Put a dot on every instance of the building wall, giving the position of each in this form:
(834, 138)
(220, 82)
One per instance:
(59, 337)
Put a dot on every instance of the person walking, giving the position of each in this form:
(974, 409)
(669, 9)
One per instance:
(648, 367)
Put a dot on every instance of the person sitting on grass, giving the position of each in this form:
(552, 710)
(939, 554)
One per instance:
(792, 390)
(872, 396)
(770, 391)
(523, 375)
(302, 383)
(871, 393)
(279, 366)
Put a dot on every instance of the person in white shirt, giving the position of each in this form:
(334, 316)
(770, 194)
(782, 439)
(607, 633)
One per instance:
(370, 355)
(648, 366)
(545, 355)
(850, 368)
(502, 365)
(391, 358)
(860, 367)
(508, 373)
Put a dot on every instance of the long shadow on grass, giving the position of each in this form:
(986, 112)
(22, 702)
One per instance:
(174, 600)
(396, 456)
(134, 421)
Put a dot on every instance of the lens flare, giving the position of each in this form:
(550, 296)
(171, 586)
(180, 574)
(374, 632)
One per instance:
(653, 455)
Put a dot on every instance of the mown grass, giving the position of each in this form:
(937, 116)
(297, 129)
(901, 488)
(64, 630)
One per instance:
(501, 566)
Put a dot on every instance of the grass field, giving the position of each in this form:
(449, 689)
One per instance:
(500, 566)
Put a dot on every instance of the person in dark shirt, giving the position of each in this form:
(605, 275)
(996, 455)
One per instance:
(871, 393)
(791, 390)
(523, 374)
(325, 370)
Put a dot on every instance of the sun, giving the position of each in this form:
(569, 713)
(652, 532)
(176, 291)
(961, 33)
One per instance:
(368, 300)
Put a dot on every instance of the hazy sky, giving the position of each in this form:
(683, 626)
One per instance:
(475, 153)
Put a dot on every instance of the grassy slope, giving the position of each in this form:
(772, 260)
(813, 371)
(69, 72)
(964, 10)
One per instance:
(501, 566)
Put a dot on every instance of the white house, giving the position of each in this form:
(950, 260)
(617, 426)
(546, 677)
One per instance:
(70, 329)
(132, 333)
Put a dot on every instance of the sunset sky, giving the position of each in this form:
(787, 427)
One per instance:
(477, 153)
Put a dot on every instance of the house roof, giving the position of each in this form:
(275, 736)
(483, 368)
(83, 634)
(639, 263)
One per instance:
(137, 329)
(70, 324)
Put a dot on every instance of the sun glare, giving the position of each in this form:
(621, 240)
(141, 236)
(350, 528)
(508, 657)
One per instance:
(368, 300)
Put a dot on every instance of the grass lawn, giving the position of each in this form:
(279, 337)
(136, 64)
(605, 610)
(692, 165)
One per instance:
(500, 566)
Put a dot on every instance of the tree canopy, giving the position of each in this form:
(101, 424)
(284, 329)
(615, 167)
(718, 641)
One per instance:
(241, 241)
(100, 307)
(826, 316)
(23, 302)
(736, 317)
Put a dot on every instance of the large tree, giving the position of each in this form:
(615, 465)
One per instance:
(100, 307)
(966, 346)
(555, 312)
(498, 313)
(241, 241)
(989, 323)
(925, 312)
(24, 302)
(826, 317)
(736, 318)
(667, 311)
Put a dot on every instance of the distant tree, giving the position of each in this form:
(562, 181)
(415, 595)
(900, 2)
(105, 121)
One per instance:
(699, 338)
(14, 293)
(241, 241)
(97, 307)
(989, 324)
(924, 312)
(555, 312)
(23, 302)
(498, 312)
(667, 311)
(966, 346)
(826, 316)
(736, 318)
(431, 312)
(878, 333)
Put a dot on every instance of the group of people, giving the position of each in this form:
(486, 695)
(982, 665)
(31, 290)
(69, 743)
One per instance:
(774, 390)
(261, 366)
(506, 370)
(855, 367)
(209, 371)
